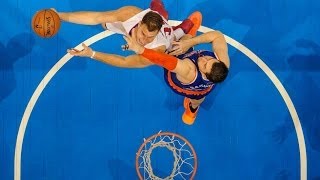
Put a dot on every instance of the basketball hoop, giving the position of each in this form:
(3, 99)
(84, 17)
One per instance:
(185, 158)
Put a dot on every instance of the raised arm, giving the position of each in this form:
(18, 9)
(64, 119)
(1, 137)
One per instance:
(219, 45)
(94, 18)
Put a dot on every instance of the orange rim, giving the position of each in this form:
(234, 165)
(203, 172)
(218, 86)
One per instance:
(167, 134)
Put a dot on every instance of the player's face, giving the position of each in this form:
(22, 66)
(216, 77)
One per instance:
(205, 63)
(144, 36)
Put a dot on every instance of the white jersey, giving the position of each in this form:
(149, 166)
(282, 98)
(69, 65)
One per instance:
(164, 37)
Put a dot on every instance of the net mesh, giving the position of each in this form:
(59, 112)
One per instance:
(185, 159)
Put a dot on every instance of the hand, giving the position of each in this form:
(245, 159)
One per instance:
(132, 43)
(53, 9)
(85, 52)
(179, 47)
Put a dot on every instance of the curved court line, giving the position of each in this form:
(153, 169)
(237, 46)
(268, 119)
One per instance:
(33, 100)
(286, 98)
(37, 93)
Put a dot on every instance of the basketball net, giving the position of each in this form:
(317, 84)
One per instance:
(185, 158)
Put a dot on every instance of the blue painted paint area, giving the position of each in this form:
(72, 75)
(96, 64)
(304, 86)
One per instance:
(91, 118)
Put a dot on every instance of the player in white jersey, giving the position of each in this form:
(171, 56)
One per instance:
(151, 30)
(163, 38)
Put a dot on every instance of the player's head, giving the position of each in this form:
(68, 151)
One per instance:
(149, 28)
(214, 70)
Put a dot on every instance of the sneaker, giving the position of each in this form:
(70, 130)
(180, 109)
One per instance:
(188, 117)
(157, 5)
(196, 18)
(186, 26)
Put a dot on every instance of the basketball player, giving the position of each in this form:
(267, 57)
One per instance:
(193, 74)
(151, 30)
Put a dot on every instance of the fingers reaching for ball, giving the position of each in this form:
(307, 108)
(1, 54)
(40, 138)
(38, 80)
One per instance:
(85, 52)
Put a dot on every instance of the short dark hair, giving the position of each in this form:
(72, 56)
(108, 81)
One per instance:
(153, 21)
(218, 73)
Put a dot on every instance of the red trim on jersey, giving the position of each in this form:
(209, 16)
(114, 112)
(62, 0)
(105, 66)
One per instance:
(186, 91)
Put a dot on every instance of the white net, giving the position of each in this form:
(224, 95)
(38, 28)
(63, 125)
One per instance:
(185, 159)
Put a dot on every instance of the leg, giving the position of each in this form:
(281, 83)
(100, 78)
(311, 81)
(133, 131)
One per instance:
(191, 109)
(195, 103)
(157, 5)
(196, 18)
(189, 26)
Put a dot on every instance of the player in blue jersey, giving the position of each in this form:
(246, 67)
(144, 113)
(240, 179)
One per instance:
(193, 74)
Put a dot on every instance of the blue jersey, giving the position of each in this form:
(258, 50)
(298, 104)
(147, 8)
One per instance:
(199, 87)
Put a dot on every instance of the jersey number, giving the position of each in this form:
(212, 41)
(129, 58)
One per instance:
(167, 31)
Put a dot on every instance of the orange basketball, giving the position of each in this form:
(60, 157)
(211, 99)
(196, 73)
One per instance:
(46, 23)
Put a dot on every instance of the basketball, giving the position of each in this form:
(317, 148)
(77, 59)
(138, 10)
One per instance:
(46, 23)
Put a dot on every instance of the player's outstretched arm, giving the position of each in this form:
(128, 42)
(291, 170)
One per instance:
(219, 45)
(94, 18)
(133, 61)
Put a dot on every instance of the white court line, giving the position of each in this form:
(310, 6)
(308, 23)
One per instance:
(98, 37)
